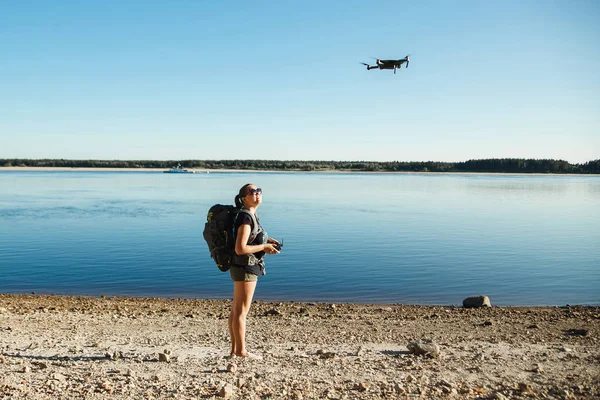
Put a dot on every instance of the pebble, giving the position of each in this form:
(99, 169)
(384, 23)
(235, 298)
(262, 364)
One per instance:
(424, 347)
(525, 387)
(59, 377)
(40, 365)
(498, 396)
(226, 391)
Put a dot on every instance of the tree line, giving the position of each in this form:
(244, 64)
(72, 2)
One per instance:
(497, 165)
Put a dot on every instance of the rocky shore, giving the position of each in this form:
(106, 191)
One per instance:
(124, 348)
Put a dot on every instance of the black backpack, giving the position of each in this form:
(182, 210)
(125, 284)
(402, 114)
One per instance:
(219, 235)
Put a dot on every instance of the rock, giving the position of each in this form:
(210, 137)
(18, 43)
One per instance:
(398, 388)
(241, 382)
(114, 356)
(424, 347)
(476, 302)
(445, 383)
(59, 377)
(272, 311)
(162, 357)
(226, 391)
(26, 369)
(325, 354)
(40, 365)
(298, 395)
(525, 388)
(231, 368)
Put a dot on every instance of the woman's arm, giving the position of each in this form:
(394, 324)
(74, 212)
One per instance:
(242, 246)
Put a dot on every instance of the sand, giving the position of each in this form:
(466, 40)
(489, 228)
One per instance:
(123, 348)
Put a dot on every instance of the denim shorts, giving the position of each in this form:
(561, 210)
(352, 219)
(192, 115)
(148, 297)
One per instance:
(239, 274)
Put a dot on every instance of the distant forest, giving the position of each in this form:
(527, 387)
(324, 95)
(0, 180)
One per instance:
(498, 165)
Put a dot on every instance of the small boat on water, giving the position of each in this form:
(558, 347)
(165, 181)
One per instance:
(178, 170)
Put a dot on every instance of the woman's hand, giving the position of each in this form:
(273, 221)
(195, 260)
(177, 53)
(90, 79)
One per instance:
(278, 245)
(270, 247)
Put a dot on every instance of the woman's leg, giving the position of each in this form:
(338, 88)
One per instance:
(243, 292)
(231, 332)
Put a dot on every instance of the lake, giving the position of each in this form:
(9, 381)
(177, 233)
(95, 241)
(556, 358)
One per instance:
(348, 237)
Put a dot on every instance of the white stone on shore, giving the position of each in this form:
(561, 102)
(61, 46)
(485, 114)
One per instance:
(476, 302)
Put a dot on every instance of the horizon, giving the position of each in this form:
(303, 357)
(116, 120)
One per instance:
(290, 161)
(146, 80)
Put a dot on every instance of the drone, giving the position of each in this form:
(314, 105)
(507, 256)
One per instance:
(389, 64)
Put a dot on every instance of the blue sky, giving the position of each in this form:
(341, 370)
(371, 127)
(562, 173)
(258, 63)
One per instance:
(281, 80)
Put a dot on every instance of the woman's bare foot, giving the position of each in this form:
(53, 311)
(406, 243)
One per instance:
(250, 356)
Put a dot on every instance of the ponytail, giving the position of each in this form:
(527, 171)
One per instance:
(238, 201)
(238, 198)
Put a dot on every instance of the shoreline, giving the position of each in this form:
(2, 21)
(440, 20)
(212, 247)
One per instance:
(227, 299)
(131, 348)
(272, 299)
(208, 171)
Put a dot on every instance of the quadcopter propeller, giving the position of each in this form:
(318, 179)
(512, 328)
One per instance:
(369, 67)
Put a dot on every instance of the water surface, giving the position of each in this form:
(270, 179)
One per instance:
(369, 238)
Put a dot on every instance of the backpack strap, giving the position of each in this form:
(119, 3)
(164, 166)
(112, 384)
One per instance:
(249, 260)
(255, 225)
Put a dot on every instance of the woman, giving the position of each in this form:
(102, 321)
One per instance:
(251, 245)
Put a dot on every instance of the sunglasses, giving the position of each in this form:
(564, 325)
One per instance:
(254, 191)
